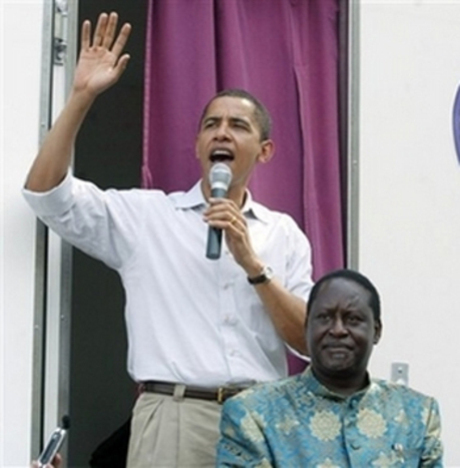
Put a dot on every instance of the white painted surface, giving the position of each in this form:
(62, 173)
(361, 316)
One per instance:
(409, 201)
(410, 193)
(20, 32)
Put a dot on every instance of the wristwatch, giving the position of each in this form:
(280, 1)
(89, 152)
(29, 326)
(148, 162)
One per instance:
(265, 276)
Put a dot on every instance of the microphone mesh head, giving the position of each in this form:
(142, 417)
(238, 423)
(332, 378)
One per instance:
(220, 176)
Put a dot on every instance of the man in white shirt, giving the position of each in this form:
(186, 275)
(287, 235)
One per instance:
(198, 330)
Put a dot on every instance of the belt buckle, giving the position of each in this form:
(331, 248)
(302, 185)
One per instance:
(220, 395)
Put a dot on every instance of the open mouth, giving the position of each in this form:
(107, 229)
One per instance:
(221, 155)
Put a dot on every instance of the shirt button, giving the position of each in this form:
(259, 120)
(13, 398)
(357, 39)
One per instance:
(355, 446)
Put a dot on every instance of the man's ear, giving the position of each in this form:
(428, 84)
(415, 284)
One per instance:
(267, 151)
(377, 331)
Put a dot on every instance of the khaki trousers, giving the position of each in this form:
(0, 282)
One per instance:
(172, 431)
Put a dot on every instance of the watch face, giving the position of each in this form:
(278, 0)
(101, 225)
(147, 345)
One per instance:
(268, 272)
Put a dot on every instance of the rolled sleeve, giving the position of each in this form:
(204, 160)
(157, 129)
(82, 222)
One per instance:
(54, 202)
(101, 223)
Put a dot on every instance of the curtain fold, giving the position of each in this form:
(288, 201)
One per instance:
(283, 51)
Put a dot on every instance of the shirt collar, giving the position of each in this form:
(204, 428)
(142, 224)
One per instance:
(317, 388)
(194, 198)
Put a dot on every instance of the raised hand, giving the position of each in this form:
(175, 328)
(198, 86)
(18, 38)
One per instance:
(101, 64)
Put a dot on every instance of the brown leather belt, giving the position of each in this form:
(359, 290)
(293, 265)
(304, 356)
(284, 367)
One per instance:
(218, 394)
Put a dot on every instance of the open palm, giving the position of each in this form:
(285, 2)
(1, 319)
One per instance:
(101, 64)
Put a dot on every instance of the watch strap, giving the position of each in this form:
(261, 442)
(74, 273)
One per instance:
(265, 276)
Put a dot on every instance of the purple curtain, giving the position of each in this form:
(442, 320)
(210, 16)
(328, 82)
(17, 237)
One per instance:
(283, 51)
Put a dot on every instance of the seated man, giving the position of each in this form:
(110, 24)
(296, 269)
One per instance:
(333, 415)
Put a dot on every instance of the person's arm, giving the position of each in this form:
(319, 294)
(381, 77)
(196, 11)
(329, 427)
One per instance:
(286, 310)
(100, 65)
(242, 443)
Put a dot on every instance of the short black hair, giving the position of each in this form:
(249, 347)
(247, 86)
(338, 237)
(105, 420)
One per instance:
(261, 113)
(352, 275)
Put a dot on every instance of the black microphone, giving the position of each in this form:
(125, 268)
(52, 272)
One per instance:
(220, 177)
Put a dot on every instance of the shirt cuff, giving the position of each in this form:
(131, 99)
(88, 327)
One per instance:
(56, 201)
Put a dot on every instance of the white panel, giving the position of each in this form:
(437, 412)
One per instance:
(20, 29)
(410, 193)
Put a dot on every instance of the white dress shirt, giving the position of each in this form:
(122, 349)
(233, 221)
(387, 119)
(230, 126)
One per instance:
(189, 319)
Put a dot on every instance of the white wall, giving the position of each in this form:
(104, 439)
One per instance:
(20, 30)
(409, 230)
(409, 200)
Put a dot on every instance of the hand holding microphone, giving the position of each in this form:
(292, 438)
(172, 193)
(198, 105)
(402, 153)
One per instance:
(220, 177)
(49, 456)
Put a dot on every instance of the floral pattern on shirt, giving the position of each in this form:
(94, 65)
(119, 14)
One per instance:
(296, 422)
(371, 423)
(327, 464)
(325, 425)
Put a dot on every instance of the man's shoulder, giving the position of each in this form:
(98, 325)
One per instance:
(273, 216)
(388, 390)
(268, 393)
(263, 209)
(142, 195)
(137, 191)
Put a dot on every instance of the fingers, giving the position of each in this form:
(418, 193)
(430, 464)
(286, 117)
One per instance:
(224, 214)
(100, 29)
(109, 34)
(57, 461)
(104, 33)
(104, 36)
(122, 39)
(85, 35)
(121, 65)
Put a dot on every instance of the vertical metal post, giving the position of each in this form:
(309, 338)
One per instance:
(353, 138)
(69, 35)
(53, 261)
(41, 242)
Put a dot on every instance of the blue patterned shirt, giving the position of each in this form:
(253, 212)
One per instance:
(296, 422)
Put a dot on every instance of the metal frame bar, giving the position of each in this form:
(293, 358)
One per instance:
(66, 249)
(41, 242)
(353, 137)
(43, 274)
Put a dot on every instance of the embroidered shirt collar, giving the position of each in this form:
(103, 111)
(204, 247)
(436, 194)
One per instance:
(317, 388)
(194, 199)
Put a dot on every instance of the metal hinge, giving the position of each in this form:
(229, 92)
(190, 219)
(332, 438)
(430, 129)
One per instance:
(60, 32)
